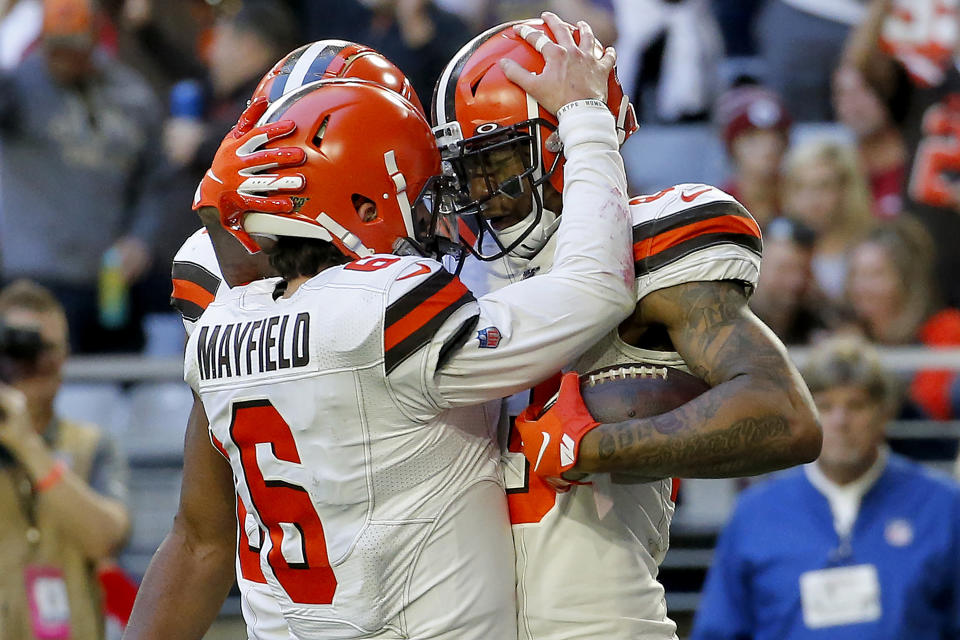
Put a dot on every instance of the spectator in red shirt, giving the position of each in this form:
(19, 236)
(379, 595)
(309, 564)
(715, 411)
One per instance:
(892, 293)
(755, 127)
(883, 154)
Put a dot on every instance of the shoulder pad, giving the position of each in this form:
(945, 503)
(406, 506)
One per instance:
(685, 218)
(196, 277)
(419, 300)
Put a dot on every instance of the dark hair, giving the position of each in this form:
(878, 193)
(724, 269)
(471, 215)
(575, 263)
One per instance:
(292, 256)
(272, 21)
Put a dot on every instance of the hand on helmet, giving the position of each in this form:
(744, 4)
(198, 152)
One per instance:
(551, 438)
(237, 183)
(571, 71)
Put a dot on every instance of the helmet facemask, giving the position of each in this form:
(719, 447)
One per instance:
(497, 162)
(434, 220)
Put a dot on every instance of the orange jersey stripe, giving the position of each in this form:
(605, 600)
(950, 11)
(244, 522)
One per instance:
(192, 292)
(423, 313)
(466, 233)
(721, 224)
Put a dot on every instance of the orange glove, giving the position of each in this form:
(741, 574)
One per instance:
(551, 438)
(237, 173)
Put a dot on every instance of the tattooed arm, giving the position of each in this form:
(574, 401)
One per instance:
(758, 416)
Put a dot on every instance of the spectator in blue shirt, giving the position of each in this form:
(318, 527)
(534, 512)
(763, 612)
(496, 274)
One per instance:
(860, 544)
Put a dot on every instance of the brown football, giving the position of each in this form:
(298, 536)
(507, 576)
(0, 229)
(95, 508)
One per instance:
(637, 390)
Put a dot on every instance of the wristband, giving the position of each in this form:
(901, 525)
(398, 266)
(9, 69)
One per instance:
(587, 102)
(54, 476)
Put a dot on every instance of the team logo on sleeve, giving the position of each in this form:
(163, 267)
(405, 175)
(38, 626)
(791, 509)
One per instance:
(489, 338)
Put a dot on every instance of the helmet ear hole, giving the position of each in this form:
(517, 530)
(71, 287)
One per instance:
(318, 136)
(365, 207)
(475, 85)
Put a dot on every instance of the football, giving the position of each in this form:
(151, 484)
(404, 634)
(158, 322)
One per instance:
(637, 390)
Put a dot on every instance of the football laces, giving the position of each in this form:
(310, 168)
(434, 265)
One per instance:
(624, 373)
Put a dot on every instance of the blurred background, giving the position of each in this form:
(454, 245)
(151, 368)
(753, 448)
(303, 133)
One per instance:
(835, 122)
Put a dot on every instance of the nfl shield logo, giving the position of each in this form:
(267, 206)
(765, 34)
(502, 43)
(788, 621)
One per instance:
(489, 338)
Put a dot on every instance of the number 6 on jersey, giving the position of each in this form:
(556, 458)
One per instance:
(270, 461)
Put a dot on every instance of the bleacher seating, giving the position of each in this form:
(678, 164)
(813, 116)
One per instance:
(102, 403)
(158, 417)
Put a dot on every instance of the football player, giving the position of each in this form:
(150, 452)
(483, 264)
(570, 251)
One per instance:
(697, 256)
(346, 398)
(199, 272)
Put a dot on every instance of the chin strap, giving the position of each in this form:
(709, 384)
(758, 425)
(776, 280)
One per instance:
(535, 239)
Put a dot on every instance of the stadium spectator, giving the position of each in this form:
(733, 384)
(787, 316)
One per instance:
(79, 171)
(668, 53)
(416, 35)
(62, 483)
(860, 106)
(867, 543)
(892, 292)
(785, 298)
(755, 127)
(800, 43)
(245, 44)
(166, 45)
(911, 46)
(825, 189)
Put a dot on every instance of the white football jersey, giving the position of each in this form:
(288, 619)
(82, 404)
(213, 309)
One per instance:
(604, 541)
(197, 280)
(352, 416)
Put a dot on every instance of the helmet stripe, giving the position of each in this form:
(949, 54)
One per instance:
(277, 87)
(314, 62)
(276, 110)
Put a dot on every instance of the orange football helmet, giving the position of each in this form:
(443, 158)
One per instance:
(328, 59)
(362, 142)
(476, 110)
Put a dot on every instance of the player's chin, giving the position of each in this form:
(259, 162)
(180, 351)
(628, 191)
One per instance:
(503, 217)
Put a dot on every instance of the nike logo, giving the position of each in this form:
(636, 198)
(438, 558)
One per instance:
(690, 197)
(543, 449)
(424, 268)
(566, 450)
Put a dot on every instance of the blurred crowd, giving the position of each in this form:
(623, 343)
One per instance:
(111, 110)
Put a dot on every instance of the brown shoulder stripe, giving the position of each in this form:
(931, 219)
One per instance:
(412, 320)
(194, 288)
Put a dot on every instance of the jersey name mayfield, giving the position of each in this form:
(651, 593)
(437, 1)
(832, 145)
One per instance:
(256, 346)
(350, 525)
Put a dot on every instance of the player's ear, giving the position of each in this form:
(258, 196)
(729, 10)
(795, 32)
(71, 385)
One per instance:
(366, 208)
